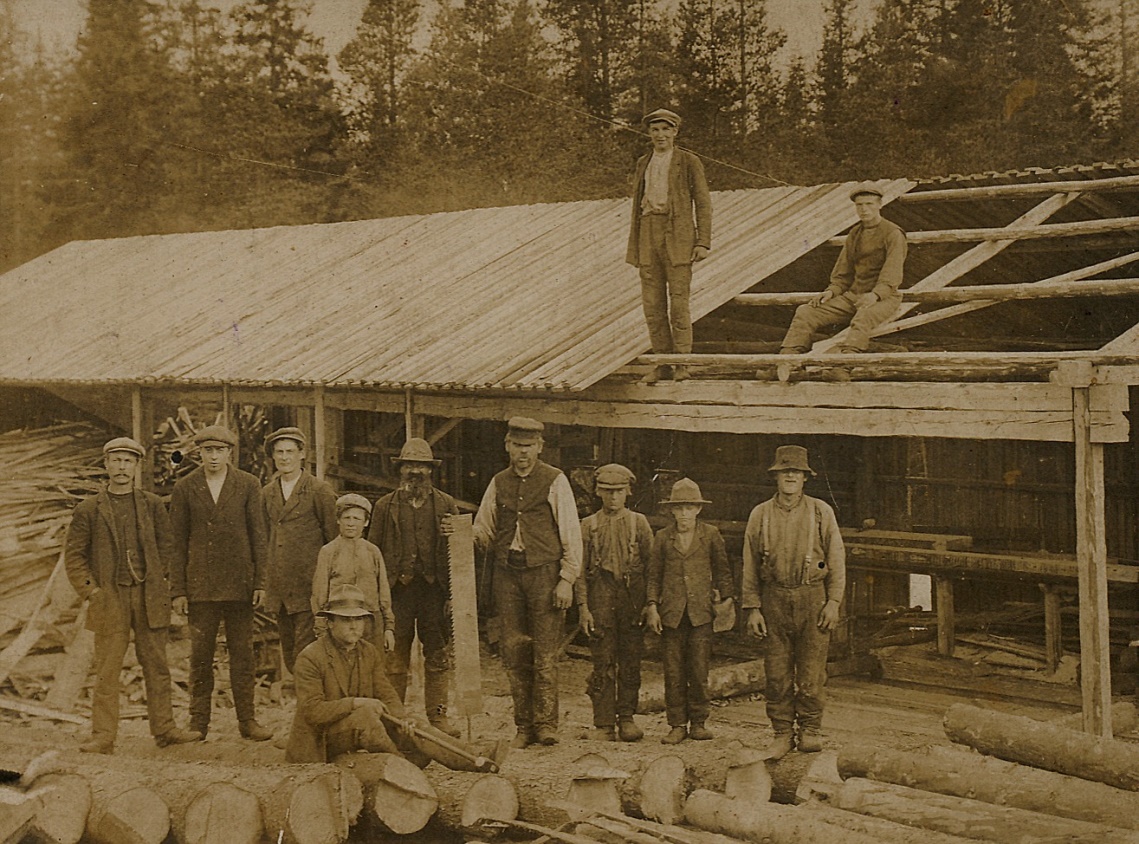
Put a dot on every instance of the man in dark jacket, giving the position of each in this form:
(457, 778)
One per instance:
(666, 239)
(219, 573)
(411, 526)
(301, 512)
(117, 557)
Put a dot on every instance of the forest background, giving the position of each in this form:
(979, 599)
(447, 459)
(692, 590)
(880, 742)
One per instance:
(179, 116)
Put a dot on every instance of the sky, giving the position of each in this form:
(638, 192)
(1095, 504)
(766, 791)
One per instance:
(58, 22)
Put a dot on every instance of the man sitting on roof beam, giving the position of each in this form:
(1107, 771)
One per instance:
(863, 285)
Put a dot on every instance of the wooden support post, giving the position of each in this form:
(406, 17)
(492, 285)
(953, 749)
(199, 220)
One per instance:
(230, 414)
(1053, 642)
(318, 434)
(946, 620)
(1091, 561)
(142, 430)
(413, 422)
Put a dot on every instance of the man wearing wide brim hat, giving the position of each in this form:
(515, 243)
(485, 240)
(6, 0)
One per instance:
(688, 576)
(794, 576)
(610, 597)
(345, 702)
(527, 522)
(411, 526)
(670, 230)
(117, 557)
(301, 512)
(864, 283)
(218, 574)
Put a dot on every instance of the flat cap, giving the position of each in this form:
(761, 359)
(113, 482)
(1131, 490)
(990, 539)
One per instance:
(865, 190)
(524, 429)
(125, 444)
(295, 434)
(352, 499)
(669, 117)
(613, 476)
(216, 434)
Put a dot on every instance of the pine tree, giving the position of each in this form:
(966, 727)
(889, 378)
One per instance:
(595, 42)
(377, 60)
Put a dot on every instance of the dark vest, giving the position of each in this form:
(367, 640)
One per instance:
(526, 501)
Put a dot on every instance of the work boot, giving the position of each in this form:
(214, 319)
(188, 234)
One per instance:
(780, 746)
(675, 736)
(435, 700)
(547, 736)
(698, 732)
(627, 730)
(176, 735)
(97, 745)
(657, 373)
(253, 731)
(810, 741)
(603, 734)
(680, 373)
(522, 739)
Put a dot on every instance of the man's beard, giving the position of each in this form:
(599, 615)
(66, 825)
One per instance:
(417, 486)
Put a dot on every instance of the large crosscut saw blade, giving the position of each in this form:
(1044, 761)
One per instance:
(464, 617)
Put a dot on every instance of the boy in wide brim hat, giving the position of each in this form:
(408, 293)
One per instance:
(688, 576)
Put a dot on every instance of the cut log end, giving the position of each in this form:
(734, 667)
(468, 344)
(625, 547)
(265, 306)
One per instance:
(663, 789)
(222, 814)
(133, 816)
(490, 798)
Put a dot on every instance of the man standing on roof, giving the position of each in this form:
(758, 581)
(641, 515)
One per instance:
(864, 283)
(301, 513)
(219, 573)
(671, 229)
(527, 521)
(411, 526)
(794, 576)
(118, 558)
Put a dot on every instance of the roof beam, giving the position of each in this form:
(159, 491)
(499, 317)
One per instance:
(967, 261)
(968, 307)
(976, 292)
(1015, 191)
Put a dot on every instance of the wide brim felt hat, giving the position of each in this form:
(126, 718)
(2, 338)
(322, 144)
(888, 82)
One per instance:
(685, 491)
(346, 601)
(791, 457)
(416, 450)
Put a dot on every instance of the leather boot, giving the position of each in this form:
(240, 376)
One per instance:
(675, 736)
(780, 746)
(627, 729)
(435, 700)
(253, 731)
(96, 744)
(176, 735)
(810, 741)
(698, 732)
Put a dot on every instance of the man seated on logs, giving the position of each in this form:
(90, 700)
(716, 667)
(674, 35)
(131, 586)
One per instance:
(610, 598)
(345, 702)
(863, 285)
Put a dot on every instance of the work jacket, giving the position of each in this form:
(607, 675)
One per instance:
(682, 581)
(385, 532)
(687, 190)
(298, 529)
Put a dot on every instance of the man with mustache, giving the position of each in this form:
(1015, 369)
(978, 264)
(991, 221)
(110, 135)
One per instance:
(411, 526)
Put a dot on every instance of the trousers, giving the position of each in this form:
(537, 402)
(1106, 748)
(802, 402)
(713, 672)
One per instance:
(418, 608)
(795, 661)
(123, 609)
(205, 619)
(687, 651)
(665, 290)
(810, 318)
(531, 640)
(616, 646)
(297, 633)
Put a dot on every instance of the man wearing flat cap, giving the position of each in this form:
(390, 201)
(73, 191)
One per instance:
(864, 283)
(117, 557)
(219, 573)
(527, 521)
(301, 514)
(610, 597)
(411, 526)
(671, 229)
(794, 575)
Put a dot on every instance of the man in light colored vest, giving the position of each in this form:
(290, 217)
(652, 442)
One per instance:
(794, 575)
(528, 522)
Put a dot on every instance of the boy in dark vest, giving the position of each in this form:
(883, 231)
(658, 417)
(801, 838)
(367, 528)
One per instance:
(527, 521)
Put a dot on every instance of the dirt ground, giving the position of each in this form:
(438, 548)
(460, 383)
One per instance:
(901, 710)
